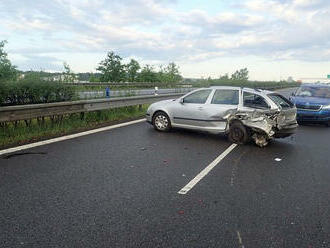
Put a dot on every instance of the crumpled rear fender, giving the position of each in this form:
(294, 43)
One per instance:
(259, 120)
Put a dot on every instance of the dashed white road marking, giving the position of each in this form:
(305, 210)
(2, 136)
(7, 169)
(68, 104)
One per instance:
(72, 136)
(205, 171)
(240, 240)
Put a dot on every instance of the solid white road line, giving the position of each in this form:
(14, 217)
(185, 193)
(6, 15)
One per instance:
(204, 172)
(72, 136)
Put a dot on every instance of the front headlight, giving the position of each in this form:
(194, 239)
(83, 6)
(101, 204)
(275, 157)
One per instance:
(326, 107)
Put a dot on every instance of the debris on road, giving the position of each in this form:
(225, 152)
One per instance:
(278, 159)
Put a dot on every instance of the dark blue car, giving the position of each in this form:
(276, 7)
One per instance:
(313, 103)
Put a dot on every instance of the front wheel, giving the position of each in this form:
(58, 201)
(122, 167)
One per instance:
(161, 122)
(238, 133)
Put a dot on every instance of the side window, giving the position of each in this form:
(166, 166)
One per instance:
(254, 101)
(197, 97)
(225, 97)
(280, 101)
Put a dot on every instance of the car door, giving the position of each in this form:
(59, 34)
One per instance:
(223, 103)
(254, 102)
(189, 111)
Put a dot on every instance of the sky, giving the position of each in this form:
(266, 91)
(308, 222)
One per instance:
(274, 39)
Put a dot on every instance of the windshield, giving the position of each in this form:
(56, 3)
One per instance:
(310, 91)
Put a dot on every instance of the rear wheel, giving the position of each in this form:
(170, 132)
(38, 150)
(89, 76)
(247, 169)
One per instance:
(238, 133)
(161, 122)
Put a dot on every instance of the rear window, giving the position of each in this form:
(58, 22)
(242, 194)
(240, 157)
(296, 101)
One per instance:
(254, 101)
(280, 101)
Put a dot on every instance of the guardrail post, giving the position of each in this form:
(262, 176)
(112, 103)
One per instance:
(107, 92)
(140, 107)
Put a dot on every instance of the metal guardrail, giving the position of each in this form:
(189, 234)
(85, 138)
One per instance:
(27, 112)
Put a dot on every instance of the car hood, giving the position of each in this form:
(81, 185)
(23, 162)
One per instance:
(310, 100)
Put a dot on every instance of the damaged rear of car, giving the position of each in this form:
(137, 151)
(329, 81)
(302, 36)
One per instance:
(241, 113)
(265, 115)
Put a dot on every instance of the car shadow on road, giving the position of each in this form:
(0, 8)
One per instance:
(196, 134)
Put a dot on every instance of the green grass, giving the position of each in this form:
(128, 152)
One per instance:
(13, 135)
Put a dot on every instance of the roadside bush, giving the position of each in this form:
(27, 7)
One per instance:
(3, 93)
(33, 91)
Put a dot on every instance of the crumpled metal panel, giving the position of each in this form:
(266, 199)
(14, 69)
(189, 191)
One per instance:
(263, 122)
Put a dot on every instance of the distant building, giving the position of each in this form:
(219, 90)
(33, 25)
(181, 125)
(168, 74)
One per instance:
(59, 77)
(290, 80)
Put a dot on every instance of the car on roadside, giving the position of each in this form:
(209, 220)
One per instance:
(313, 103)
(240, 113)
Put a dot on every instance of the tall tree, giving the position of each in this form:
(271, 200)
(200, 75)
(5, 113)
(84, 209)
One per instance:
(173, 73)
(68, 74)
(169, 73)
(224, 77)
(7, 70)
(241, 75)
(132, 69)
(148, 74)
(111, 68)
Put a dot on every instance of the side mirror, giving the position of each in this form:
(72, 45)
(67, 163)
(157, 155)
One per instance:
(181, 100)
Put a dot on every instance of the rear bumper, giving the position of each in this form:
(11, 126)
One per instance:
(286, 131)
(313, 116)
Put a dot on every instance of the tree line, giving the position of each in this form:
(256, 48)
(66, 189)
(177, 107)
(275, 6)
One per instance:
(112, 69)
(238, 75)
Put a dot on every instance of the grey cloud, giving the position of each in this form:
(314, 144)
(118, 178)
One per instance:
(222, 23)
(39, 62)
(153, 30)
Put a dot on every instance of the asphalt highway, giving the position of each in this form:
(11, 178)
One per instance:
(119, 188)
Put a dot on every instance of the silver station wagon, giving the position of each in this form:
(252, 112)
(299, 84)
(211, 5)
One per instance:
(240, 113)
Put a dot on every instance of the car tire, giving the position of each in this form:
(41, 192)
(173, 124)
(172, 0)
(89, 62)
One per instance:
(161, 122)
(238, 133)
